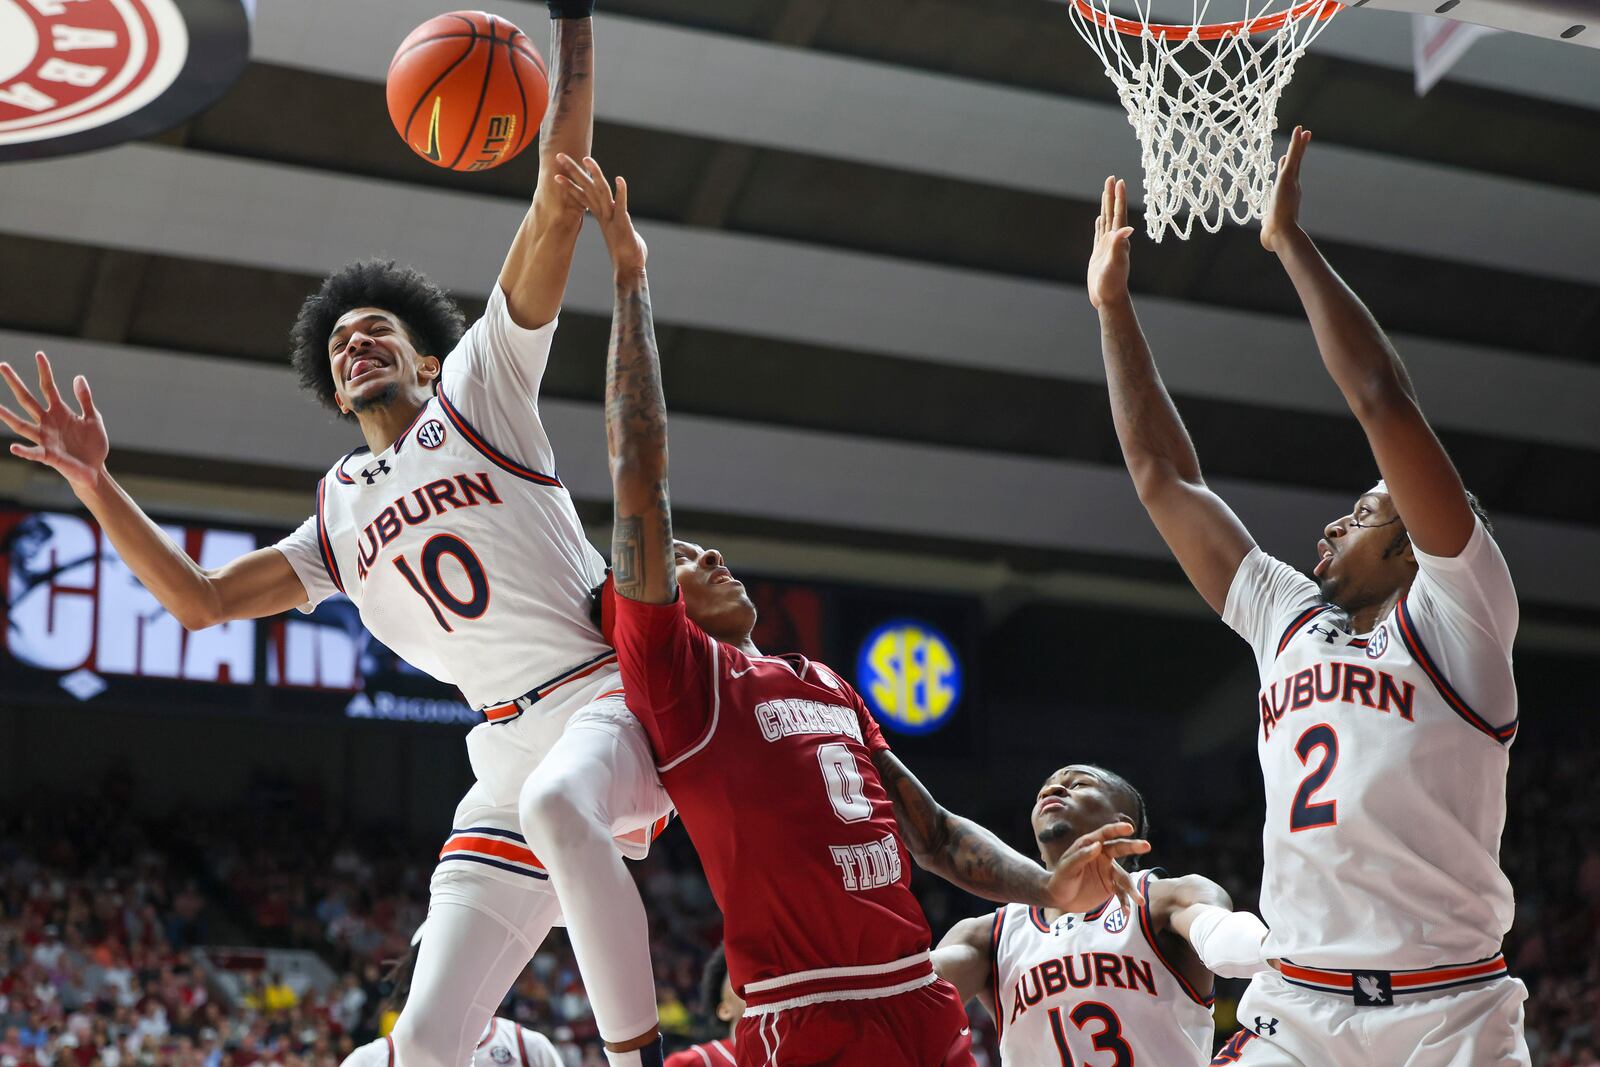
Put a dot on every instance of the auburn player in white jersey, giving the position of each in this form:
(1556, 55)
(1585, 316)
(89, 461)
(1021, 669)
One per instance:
(453, 534)
(1112, 985)
(1387, 701)
(503, 1044)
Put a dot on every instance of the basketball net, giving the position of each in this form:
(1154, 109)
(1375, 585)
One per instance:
(1203, 100)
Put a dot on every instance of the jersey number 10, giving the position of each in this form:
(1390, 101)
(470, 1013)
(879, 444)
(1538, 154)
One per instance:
(432, 582)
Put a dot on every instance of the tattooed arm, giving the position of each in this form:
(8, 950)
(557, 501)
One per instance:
(966, 855)
(636, 410)
(1204, 534)
(535, 273)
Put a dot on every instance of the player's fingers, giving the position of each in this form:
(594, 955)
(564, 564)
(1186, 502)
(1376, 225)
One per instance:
(80, 389)
(21, 392)
(596, 174)
(19, 426)
(1126, 846)
(622, 193)
(1122, 886)
(1105, 197)
(1125, 235)
(1119, 205)
(574, 172)
(1110, 831)
(33, 452)
(47, 380)
(572, 192)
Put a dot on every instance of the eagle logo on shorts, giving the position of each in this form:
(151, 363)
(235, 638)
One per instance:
(1379, 642)
(430, 435)
(1116, 920)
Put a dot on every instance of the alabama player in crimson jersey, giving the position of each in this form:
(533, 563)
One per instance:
(453, 535)
(1387, 702)
(1107, 985)
(802, 817)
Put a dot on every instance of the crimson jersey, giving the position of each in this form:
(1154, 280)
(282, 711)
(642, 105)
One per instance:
(768, 761)
(718, 1053)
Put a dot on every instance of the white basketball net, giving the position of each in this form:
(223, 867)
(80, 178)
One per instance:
(1204, 109)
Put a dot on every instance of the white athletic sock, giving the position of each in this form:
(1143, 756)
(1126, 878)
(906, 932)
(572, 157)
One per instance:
(568, 807)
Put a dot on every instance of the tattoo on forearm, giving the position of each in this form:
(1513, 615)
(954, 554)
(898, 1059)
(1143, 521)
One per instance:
(572, 45)
(958, 849)
(636, 433)
(626, 567)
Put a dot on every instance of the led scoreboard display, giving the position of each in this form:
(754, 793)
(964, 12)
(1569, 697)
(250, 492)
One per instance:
(79, 627)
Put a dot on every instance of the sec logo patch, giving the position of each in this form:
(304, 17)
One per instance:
(1116, 921)
(82, 74)
(430, 434)
(910, 676)
(1378, 643)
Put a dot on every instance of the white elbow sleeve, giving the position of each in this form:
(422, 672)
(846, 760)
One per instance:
(1228, 942)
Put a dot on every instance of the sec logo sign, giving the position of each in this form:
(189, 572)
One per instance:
(82, 74)
(910, 676)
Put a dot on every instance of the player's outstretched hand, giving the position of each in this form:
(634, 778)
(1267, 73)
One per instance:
(1108, 265)
(587, 186)
(74, 443)
(1088, 872)
(1282, 220)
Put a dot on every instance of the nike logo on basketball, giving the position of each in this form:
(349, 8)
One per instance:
(432, 151)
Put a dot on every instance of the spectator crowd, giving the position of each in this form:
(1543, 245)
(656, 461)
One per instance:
(106, 919)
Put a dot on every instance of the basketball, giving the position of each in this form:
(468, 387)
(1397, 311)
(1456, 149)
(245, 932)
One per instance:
(467, 90)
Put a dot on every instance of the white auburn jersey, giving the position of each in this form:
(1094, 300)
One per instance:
(458, 543)
(1384, 757)
(1092, 984)
(504, 1044)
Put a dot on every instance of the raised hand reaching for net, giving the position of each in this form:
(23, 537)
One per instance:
(1281, 223)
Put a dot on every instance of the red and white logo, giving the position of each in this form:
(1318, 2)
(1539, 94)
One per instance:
(79, 74)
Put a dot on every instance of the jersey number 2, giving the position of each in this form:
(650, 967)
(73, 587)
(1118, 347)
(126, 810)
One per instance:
(1109, 1039)
(432, 582)
(1306, 815)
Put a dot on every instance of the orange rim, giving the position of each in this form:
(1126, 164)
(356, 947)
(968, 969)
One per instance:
(1314, 9)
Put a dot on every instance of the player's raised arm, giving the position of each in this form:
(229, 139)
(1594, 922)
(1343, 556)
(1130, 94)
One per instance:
(636, 410)
(1222, 941)
(969, 856)
(75, 445)
(1203, 532)
(1423, 483)
(965, 958)
(535, 273)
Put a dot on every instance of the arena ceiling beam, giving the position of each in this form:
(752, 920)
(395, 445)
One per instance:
(793, 99)
(143, 198)
(254, 413)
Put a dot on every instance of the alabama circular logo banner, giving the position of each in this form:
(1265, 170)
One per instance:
(82, 74)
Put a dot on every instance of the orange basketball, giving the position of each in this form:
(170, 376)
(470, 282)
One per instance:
(467, 90)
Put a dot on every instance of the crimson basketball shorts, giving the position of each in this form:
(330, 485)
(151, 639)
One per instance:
(924, 1027)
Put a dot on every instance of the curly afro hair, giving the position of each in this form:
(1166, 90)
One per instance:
(431, 318)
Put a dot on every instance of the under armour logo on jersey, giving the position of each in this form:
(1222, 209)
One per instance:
(1268, 1027)
(1328, 633)
(1372, 989)
(372, 474)
(1064, 924)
